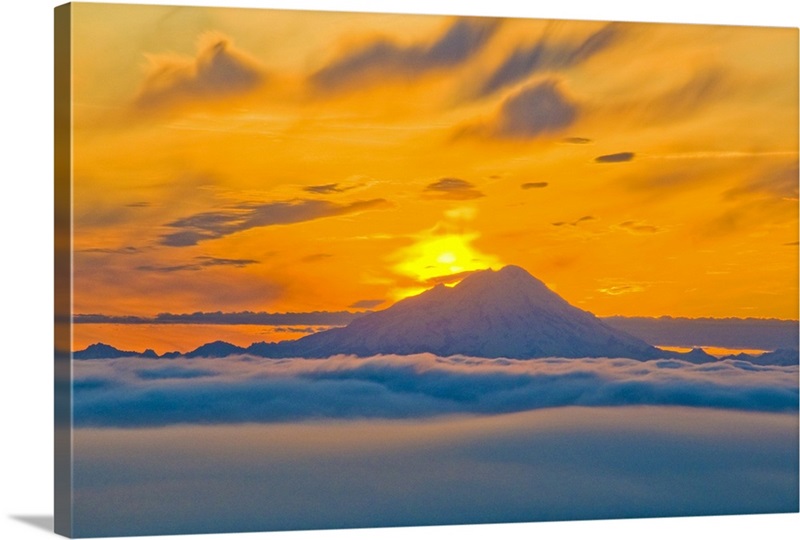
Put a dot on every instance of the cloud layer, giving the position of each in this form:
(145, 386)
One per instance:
(327, 318)
(387, 59)
(557, 464)
(574, 223)
(534, 185)
(453, 188)
(535, 111)
(211, 225)
(619, 157)
(199, 264)
(547, 55)
(327, 189)
(147, 392)
(218, 70)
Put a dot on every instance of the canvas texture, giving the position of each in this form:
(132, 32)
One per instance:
(320, 270)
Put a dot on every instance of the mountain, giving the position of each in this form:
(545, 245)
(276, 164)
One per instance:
(505, 313)
(696, 356)
(779, 357)
(101, 350)
(216, 349)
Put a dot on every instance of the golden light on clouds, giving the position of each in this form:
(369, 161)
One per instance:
(356, 157)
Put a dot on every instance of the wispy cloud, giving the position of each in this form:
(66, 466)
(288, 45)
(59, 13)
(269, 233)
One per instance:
(211, 225)
(327, 189)
(453, 188)
(367, 303)
(386, 59)
(324, 318)
(127, 250)
(619, 157)
(448, 278)
(574, 223)
(704, 88)
(768, 196)
(779, 182)
(296, 329)
(535, 111)
(534, 185)
(199, 264)
(723, 154)
(637, 227)
(219, 69)
(576, 140)
(548, 55)
(616, 290)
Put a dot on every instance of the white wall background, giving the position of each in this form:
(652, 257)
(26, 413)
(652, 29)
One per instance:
(26, 203)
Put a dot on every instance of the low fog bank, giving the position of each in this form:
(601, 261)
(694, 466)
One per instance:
(135, 392)
(554, 464)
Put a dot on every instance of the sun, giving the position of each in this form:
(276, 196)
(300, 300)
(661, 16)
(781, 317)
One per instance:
(440, 258)
(446, 258)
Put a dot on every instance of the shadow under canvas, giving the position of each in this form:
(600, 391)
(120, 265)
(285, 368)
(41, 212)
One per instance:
(40, 522)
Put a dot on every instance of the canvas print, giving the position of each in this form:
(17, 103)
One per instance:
(329, 270)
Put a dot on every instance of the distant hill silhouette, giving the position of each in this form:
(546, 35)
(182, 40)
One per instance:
(729, 332)
(101, 350)
(506, 313)
(215, 349)
(779, 357)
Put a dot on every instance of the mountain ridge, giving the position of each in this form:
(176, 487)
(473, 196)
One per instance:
(491, 313)
(504, 313)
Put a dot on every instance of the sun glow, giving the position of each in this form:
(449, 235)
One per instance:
(440, 259)
(446, 258)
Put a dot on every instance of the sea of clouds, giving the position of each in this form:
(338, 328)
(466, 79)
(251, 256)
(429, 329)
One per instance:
(137, 392)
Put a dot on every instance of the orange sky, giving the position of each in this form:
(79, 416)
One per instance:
(231, 160)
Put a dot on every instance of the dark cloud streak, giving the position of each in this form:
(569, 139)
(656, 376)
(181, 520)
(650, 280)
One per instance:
(366, 304)
(780, 182)
(327, 189)
(384, 58)
(574, 223)
(453, 188)
(619, 157)
(326, 318)
(547, 56)
(211, 225)
(635, 227)
(534, 185)
(127, 250)
(535, 111)
(218, 70)
(199, 264)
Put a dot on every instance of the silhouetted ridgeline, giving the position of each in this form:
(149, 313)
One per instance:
(492, 314)
(765, 334)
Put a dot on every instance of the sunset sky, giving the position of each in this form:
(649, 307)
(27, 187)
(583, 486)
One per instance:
(253, 160)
